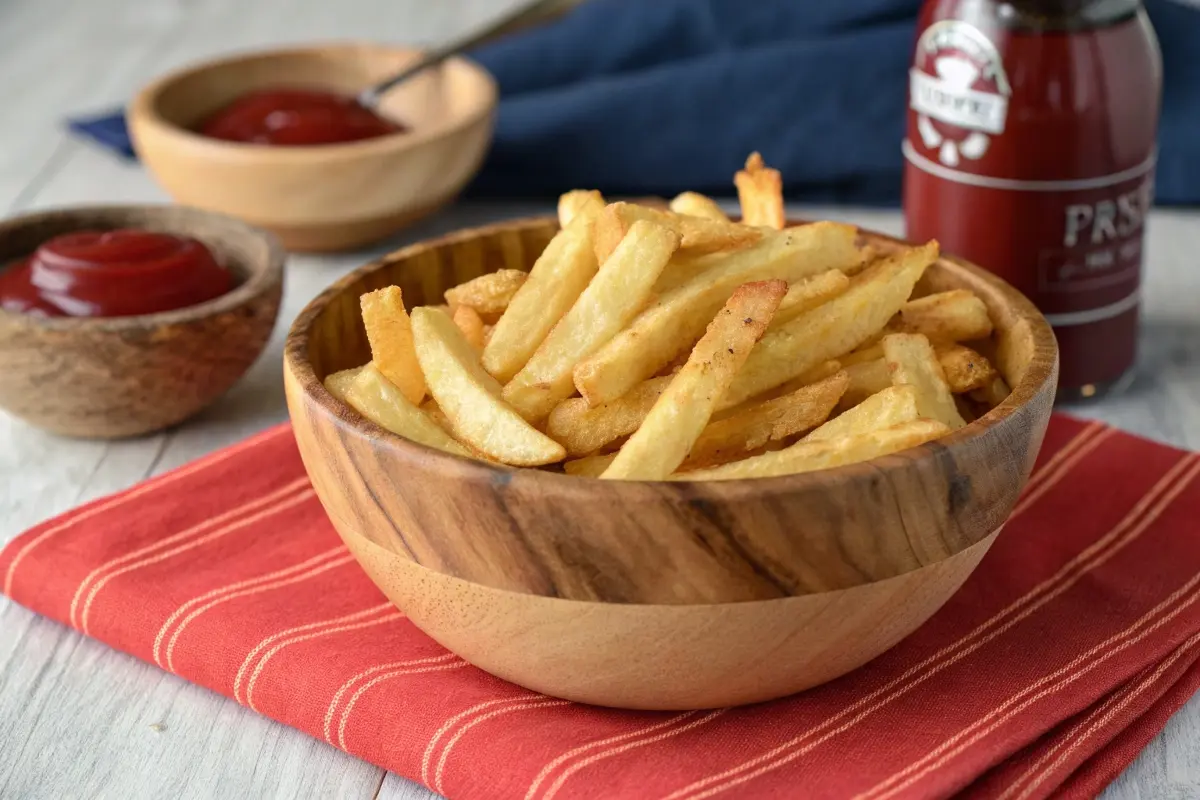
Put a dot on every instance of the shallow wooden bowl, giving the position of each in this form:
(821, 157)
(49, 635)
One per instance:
(332, 197)
(125, 376)
(658, 595)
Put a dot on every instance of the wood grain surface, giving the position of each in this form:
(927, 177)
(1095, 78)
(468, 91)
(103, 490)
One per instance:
(82, 720)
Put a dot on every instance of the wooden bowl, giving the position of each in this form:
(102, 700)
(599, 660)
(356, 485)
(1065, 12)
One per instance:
(125, 376)
(331, 197)
(658, 595)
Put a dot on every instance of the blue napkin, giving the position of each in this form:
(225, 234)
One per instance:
(635, 97)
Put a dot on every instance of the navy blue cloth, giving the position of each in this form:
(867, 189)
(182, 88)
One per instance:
(636, 97)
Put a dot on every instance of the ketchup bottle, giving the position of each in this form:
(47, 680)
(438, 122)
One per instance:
(1030, 151)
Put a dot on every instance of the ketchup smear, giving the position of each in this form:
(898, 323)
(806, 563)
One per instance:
(296, 118)
(117, 273)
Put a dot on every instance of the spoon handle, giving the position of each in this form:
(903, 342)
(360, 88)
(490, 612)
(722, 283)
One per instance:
(518, 17)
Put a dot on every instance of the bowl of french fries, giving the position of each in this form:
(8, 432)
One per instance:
(653, 457)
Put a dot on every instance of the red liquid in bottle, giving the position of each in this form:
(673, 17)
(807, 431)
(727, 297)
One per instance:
(1030, 151)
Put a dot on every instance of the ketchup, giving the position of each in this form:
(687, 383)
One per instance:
(117, 273)
(1030, 151)
(296, 118)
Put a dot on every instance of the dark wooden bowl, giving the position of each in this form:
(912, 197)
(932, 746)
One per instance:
(658, 594)
(125, 376)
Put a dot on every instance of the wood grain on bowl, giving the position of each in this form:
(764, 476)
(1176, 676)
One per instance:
(126, 376)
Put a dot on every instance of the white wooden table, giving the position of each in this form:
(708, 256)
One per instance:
(80, 720)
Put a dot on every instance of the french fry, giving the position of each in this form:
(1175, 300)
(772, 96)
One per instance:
(954, 316)
(864, 353)
(965, 370)
(808, 456)
(697, 205)
(892, 406)
(575, 201)
(583, 429)
(865, 379)
(760, 194)
(696, 234)
(338, 382)
(805, 295)
(834, 328)
(389, 332)
(682, 411)
(589, 466)
(683, 268)
(739, 435)
(617, 293)
(377, 399)
(912, 361)
(470, 398)
(471, 324)
(558, 277)
(993, 394)
(677, 319)
(488, 294)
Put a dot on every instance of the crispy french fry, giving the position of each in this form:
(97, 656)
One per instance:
(892, 406)
(589, 466)
(573, 202)
(993, 394)
(488, 294)
(965, 370)
(954, 316)
(583, 429)
(834, 328)
(471, 324)
(805, 295)
(697, 205)
(677, 319)
(760, 194)
(389, 333)
(470, 398)
(912, 361)
(739, 435)
(683, 268)
(682, 411)
(807, 456)
(377, 399)
(619, 290)
(696, 234)
(338, 382)
(558, 277)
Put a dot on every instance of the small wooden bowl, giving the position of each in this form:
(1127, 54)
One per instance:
(332, 197)
(125, 376)
(658, 595)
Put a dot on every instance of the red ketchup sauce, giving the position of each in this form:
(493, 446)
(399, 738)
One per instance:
(117, 273)
(1030, 151)
(296, 118)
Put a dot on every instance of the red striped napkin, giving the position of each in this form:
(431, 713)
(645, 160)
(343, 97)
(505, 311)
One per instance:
(1046, 674)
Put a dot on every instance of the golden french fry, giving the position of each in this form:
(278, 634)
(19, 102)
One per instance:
(833, 328)
(892, 406)
(965, 370)
(577, 200)
(558, 277)
(589, 466)
(583, 429)
(807, 456)
(471, 324)
(912, 362)
(683, 268)
(488, 294)
(815, 375)
(470, 398)
(993, 394)
(377, 399)
(805, 295)
(865, 379)
(760, 194)
(697, 205)
(677, 319)
(696, 234)
(682, 411)
(954, 316)
(338, 382)
(389, 333)
(617, 293)
(739, 435)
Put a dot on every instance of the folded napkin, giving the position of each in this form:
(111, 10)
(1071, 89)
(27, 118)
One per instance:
(1056, 663)
(637, 98)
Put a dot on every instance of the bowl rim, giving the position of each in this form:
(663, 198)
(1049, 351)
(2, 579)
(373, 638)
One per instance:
(143, 109)
(263, 276)
(296, 362)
